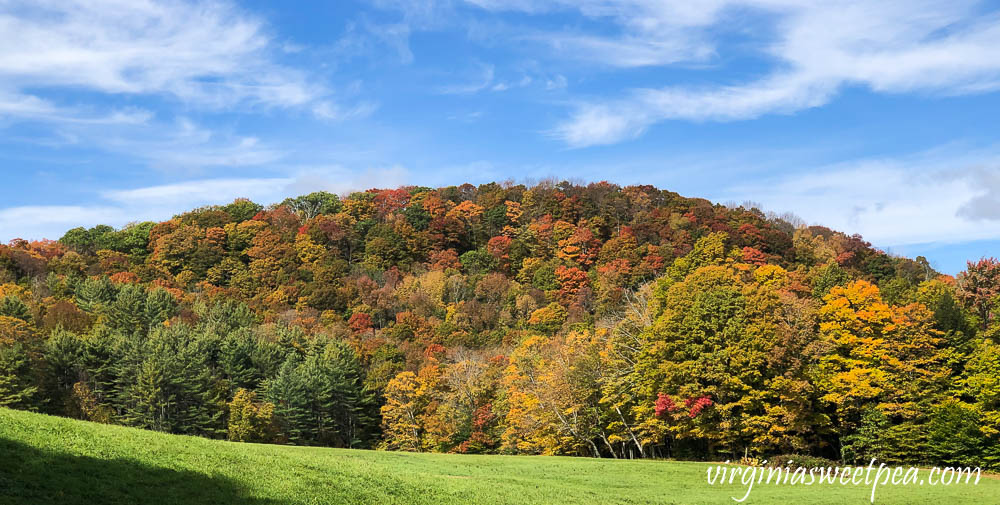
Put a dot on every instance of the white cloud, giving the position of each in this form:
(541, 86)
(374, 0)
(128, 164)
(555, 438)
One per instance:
(895, 46)
(483, 81)
(632, 51)
(331, 111)
(341, 180)
(15, 104)
(606, 123)
(209, 53)
(364, 39)
(945, 195)
(985, 206)
(807, 51)
(200, 192)
(79, 66)
(557, 82)
(52, 221)
(651, 32)
(182, 145)
(159, 202)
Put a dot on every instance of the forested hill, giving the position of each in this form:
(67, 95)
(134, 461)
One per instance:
(557, 319)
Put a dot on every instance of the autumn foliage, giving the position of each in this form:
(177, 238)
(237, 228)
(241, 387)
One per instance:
(553, 319)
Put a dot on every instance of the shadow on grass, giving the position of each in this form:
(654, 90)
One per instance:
(29, 475)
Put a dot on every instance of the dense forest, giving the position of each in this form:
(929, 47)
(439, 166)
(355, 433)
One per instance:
(589, 320)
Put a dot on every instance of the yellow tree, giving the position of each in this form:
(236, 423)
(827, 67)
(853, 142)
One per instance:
(883, 358)
(250, 420)
(408, 421)
(553, 392)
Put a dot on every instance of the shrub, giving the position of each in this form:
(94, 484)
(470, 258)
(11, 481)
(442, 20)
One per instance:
(800, 461)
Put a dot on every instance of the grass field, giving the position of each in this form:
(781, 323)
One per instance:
(46, 459)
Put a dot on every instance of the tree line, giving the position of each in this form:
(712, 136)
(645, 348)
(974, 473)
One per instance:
(571, 319)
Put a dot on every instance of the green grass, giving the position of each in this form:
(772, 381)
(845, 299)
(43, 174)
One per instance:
(46, 459)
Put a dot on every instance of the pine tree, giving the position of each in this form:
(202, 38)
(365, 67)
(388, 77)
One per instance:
(17, 389)
(63, 354)
(92, 293)
(320, 397)
(13, 306)
(127, 313)
(159, 307)
(165, 382)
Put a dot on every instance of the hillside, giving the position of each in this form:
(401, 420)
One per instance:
(556, 319)
(53, 460)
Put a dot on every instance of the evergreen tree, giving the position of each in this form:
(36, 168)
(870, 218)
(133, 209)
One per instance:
(13, 306)
(94, 292)
(127, 313)
(159, 307)
(17, 388)
(320, 398)
(225, 316)
(166, 383)
(63, 364)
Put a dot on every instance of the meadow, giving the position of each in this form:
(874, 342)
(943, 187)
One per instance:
(45, 459)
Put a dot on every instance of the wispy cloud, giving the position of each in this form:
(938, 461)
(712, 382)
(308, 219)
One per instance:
(52, 221)
(482, 81)
(806, 52)
(79, 68)
(889, 47)
(179, 146)
(606, 123)
(20, 105)
(332, 111)
(652, 32)
(649, 32)
(117, 207)
(199, 191)
(948, 194)
(208, 53)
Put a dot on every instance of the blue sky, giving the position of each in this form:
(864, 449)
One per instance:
(878, 118)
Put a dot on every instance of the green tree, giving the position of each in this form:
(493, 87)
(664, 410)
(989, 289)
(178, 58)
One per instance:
(63, 356)
(954, 435)
(314, 204)
(12, 306)
(883, 357)
(478, 262)
(868, 441)
(165, 383)
(17, 384)
(827, 277)
(94, 292)
(127, 313)
(319, 398)
(242, 209)
(982, 384)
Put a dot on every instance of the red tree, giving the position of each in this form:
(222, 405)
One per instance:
(978, 287)
(361, 323)
(571, 281)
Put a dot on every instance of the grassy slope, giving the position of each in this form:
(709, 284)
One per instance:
(52, 460)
